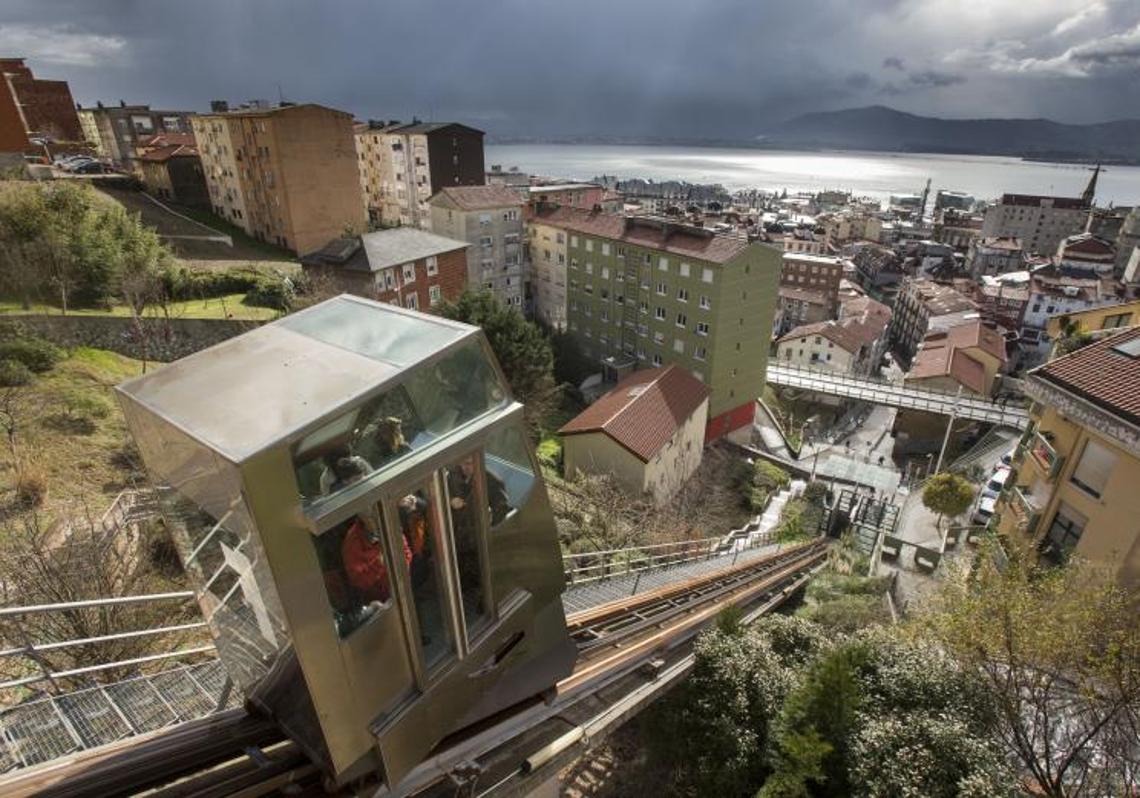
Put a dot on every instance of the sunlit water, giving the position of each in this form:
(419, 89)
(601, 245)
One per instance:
(872, 174)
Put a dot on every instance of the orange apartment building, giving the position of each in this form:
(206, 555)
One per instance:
(286, 175)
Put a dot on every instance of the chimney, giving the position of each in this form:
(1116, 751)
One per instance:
(122, 103)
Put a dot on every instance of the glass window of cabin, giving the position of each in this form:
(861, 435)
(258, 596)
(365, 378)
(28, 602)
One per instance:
(510, 475)
(466, 498)
(433, 400)
(354, 565)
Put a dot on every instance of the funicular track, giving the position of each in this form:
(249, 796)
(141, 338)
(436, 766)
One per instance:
(623, 647)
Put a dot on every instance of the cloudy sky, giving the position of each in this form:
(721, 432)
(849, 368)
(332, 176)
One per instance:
(712, 68)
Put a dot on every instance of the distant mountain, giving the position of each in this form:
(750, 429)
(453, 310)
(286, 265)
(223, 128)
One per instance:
(885, 129)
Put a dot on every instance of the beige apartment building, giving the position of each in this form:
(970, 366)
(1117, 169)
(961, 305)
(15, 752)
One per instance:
(1073, 490)
(548, 255)
(285, 175)
(401, 166)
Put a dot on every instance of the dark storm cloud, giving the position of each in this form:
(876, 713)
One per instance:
(722, 68)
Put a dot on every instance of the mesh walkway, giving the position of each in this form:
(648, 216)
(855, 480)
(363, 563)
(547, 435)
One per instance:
(883, 392)
(578, 598)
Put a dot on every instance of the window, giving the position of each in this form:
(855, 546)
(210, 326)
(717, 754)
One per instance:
(1117, 320)
(573, 240)
(434, 295)
(682, 320)
(510, 475)
(642, 307)
(657, 360)
(621, 254)
(1094, 468)
(412, 302)
(605, 248)
(484, 218)
(409, 272)
(700, 353)
(605, 272)
(658, 337)
(390, 279)
(678, 345)
(663, 264)
(485, 241)
(684, 270)
(683, 294)
(702, 328)
(589, 245)
(589, 268)
(1063, 534)
(706, 275)
(705, 303)
(561, 237)
(511, 216)
(432, 265)
(662, 289)
(660, 313)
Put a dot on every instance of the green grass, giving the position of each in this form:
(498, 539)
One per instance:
(223, 307)
(236, 233)
(72, 432)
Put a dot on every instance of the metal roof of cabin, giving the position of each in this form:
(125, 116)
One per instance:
(258, 388)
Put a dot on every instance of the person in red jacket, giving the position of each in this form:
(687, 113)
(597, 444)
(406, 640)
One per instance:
(363, 557)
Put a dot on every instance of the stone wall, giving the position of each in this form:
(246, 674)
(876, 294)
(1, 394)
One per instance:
(150, 338)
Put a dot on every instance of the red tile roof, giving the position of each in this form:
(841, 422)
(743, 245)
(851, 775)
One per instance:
(166, 139)
(481, 198)
(696, 243)
(1101, 374)
(972, 334)
(833, 331)
(644, 411)
(945, 361)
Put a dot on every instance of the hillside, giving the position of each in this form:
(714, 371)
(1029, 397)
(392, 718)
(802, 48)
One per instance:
(885, 129)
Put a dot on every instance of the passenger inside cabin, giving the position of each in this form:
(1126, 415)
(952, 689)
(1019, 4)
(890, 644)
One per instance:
(363, 556)
(382, 441)
(341, 469)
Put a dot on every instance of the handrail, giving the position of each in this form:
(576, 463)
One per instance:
(36, 648)
(6, 612)
(51, 675)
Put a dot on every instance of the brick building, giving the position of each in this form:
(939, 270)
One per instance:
(45, 107)
(403, 266)
(286, 175)
(173, 171)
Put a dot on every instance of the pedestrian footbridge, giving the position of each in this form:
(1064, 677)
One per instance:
(883, 392)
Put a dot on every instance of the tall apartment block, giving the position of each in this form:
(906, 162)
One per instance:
(1040, 223)
(490, 219)
(43, 107)
(117, 131)
(647, 292)
(403, 166)
(286, 175)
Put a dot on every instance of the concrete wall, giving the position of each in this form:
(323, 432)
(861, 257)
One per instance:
(598, 453)
(151, 338)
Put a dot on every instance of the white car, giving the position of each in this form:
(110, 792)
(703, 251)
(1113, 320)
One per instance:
(997, 482)
(985, 510)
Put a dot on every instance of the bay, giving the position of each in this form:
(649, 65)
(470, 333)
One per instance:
(872, 174)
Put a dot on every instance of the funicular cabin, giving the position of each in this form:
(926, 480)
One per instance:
(351, 490)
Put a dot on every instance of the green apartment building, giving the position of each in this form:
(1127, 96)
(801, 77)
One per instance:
(646, 292)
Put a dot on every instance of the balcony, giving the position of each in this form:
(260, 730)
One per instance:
(1043, 454)
(1025, 508)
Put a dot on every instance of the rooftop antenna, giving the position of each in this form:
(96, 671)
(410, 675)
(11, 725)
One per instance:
(280, 95)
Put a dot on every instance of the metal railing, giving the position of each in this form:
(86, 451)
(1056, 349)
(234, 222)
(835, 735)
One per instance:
(31, 650)
(885, 392)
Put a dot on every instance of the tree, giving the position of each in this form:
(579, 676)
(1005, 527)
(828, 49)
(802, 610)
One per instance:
(947, 494)
(1059, 653)
(523, 351)
(22, 220)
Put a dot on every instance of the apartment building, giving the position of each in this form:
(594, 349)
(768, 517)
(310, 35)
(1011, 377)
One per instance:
(824, 345)
(173, 171)
(1053, 293)
(993, 256)
(840, 228)
(402, 266)
(923, 306)
(286, 175)
(1040, 223)
(1085, 253)
(1098, 321)
(969, 355)
(490, 219)
(1073, 491)
(647, 292)
(402, 166)
(121, 131)
(814, 273)
(44, 108)
(548, 255)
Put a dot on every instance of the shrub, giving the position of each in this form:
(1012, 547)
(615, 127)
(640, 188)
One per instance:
(31, 488)
(276, 293)
(183, 284)
(765, 474)
(36, 354)
(13, 374)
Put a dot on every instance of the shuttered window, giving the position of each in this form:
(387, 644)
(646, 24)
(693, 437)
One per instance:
(1094, 468)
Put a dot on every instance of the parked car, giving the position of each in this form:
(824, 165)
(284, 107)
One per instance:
(985, 510)
(91, 168)
(71, 164)
(1007, 458)
(997, 481)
